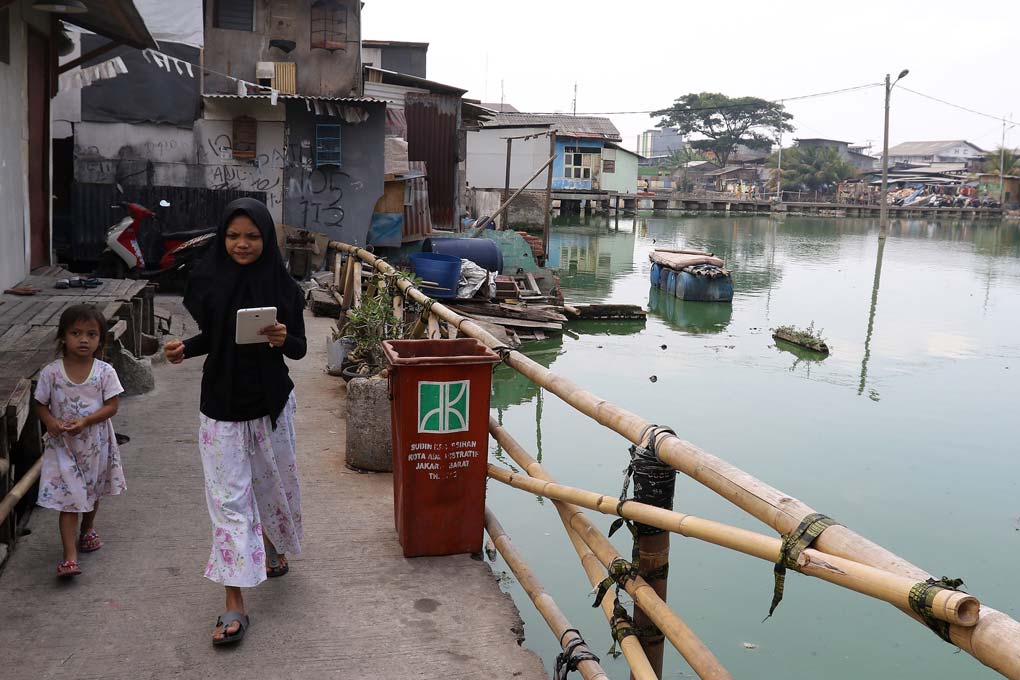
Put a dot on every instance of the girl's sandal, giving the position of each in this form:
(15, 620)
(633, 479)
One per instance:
(68, 569)
(89, 542)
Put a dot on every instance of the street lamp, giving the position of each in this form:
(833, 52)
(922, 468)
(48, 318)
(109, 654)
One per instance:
(883, 211)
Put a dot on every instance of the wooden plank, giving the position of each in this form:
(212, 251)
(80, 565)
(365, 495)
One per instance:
(45, 312)
(116, 330)
(23, 364)
(517, 323)
(18, 406)
(36, 339)
(9, 336)
(532, 283)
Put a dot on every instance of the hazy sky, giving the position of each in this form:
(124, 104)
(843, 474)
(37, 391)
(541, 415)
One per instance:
(640, 56)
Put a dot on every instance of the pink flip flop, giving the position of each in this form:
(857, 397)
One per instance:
(89, 542)
(68, 569)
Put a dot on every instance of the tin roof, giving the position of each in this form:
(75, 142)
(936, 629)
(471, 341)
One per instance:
(590, 127)
(308, 98)
(118, 20)
(929, 148)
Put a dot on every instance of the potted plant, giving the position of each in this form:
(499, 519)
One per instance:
(367, 325)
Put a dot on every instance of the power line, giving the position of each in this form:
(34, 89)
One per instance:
(959, 106)
(717, 108)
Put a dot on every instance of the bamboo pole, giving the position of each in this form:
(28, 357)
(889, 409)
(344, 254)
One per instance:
(988, 641)
(954, 607)
(434, 332)
(544, 603)
(640, 668)
(477, 231)
(19, 490)
(676, 631)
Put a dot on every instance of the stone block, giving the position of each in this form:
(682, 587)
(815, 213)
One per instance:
(369, 438)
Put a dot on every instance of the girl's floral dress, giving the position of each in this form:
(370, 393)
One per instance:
(78, 470)
(251, 486)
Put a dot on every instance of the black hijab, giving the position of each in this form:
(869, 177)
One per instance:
(244, 382)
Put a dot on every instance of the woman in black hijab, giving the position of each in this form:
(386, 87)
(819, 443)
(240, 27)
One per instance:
(246, 436)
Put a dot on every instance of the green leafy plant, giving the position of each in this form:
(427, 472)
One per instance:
(805, 337)
(373, 321)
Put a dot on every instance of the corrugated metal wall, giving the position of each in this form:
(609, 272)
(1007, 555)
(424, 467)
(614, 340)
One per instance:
(432, 134)
(92, 213)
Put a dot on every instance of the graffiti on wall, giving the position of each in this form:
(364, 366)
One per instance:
(221, 170)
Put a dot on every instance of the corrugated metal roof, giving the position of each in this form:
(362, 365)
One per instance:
(928, 148)
(432, 123)
(591, 127)
(417, 215)
(309, 98)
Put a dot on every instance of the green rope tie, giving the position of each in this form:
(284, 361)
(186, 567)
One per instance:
(620, 571)
(794, 543)
(921, 597)
(620, 626)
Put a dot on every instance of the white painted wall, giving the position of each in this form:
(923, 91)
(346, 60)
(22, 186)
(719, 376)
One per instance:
(14, 224)
(486, 158)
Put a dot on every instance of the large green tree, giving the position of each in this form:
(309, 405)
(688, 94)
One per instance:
(724, 122)
(812, 168)
(1009, 158)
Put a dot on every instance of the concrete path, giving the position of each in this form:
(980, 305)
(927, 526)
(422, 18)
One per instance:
(351, 607)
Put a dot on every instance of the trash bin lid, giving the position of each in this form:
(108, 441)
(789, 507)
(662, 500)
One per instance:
(437, 352)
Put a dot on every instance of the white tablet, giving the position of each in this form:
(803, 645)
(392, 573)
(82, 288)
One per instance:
(250, 322)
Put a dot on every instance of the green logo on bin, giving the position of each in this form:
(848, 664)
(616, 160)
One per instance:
(443, 406)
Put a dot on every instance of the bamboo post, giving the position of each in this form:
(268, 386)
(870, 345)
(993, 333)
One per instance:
(474, 233)
(356, 284)
(544, 603)
(338, 271)
(640, 669)
(951, 606)
(398, 307)
(988, 641)
(434, 332)
(676, 631)
(547, 225)
(506, 184)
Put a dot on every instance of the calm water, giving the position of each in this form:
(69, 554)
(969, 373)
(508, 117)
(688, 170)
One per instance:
(907, 432)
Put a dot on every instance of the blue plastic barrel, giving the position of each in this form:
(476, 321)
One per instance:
(481, 251)
(703, 288)
(438, 269)
(654, 276)
(671, 277)
(663, 276)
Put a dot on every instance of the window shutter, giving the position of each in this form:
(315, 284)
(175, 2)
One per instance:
(246, 132)
(237, 15)
(286, 77)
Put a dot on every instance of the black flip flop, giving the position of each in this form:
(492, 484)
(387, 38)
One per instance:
(225, 621)
(276, 570)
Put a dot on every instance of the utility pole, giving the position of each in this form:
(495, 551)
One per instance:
(575, 98)
(883, 208)
(505, 220)
(779, 171)
(1002, 165)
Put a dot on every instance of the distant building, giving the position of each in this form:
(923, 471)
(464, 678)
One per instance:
(952, 151)
(659, 143)
(851, 154)
(409, 58)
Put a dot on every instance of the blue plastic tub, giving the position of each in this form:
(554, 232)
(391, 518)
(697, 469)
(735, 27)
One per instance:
(482, 251)
(441, 270)
(671, 277)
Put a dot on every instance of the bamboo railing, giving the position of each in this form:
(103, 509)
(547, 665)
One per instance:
(993, 640)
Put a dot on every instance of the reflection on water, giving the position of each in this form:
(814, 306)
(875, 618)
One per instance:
(926, 326)
(690, 316)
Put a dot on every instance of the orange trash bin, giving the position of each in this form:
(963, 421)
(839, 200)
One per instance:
(439, 391)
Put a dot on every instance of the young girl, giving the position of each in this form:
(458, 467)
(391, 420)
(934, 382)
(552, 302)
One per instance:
(75, 398)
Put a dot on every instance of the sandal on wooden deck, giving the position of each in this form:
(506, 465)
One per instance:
(68, 569)
(225, 621)
(89, 542)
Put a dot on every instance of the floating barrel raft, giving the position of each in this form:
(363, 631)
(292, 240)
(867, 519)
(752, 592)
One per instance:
(691, 275)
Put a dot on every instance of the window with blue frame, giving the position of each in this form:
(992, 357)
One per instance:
(327, 144)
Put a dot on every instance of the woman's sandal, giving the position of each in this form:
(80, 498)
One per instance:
(225, 621)
(276, 566)
(68, 569)
(89, 542)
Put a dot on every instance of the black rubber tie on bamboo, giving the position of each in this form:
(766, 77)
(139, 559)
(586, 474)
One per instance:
(794, 543)
(620, 626)
(620, 571)
(503, 351)
(921, 597)
(567, 660)
(654, 481)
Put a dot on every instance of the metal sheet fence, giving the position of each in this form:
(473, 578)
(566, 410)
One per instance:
(82, 238)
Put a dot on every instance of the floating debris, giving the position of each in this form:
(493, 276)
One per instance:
(663, 347)
(750, 645)
(652, 378)
(807, 338)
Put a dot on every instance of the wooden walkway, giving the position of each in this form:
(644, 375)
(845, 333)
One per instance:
(352, 606)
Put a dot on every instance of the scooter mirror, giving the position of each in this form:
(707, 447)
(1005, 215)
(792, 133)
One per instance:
(164, 203)
(120, 188)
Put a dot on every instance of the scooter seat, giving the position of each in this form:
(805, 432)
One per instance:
(185, 235)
